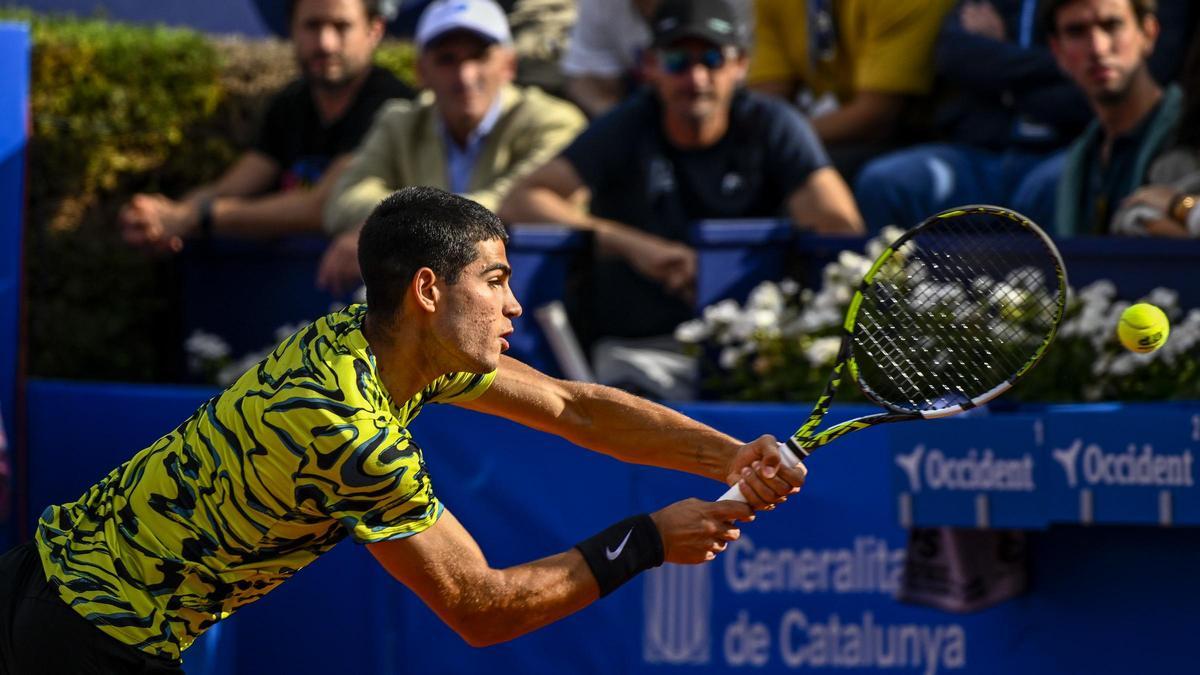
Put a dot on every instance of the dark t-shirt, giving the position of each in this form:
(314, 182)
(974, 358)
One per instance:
(293, 135)
(1106, 183)
(638, 178)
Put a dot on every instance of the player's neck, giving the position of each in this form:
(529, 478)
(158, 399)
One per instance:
(402, 360)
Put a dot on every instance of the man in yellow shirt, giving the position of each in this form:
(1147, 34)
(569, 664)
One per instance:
(852, 64)
(311, 446)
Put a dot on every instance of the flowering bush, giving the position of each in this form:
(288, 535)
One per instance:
(782, 343)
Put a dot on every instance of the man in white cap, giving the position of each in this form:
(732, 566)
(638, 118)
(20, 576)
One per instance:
(473, 133)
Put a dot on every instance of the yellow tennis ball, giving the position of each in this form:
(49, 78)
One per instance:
(1143, 328)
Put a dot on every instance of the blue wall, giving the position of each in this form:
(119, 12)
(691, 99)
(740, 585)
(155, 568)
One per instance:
(525, 495)
(14, 106)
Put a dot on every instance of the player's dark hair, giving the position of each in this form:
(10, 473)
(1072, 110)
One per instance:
(420, 227)
(1048, 18)
(374, 9)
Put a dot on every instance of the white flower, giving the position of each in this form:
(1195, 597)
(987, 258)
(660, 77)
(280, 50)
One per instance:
(1099, 292)
(818, 319)
(1166, 299)
(1123, 365)
(206, 346)
(884, 239)
(766, 296)
(854, 265)
(731, 355)
(230, 374)
(724, 312)
(1028, 278)
(693, 332)
(789, 287)
(823, 351)
(287, 330)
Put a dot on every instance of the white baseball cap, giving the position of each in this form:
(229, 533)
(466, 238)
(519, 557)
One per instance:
(483, 17)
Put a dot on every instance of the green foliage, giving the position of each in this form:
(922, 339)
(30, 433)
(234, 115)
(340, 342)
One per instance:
(119, 109)
(400, 58)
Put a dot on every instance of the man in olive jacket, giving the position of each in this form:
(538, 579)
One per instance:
(474, 133)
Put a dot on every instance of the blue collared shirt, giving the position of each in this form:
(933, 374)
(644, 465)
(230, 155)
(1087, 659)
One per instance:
(460, 160)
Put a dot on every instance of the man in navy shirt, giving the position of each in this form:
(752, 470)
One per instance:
(694, 146)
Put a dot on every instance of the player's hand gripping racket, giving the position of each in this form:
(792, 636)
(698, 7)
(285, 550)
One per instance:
(949, 317)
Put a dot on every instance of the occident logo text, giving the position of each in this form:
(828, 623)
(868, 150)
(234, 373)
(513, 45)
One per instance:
(974, 472)
(1137, 466)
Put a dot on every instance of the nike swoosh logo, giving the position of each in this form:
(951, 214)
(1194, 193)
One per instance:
(613, 555)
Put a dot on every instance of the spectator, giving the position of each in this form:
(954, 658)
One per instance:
(603, 60)
(279, 185)
(540, 32)
(852, 64)
(1010, 111)
(475, 135)
(694, 146)
(1103, 46)
(1166, 206)
(603, 57)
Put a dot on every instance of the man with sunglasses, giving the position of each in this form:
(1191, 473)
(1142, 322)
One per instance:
(694, 146)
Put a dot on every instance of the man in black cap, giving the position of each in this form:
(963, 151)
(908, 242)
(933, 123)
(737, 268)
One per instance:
(694, 146)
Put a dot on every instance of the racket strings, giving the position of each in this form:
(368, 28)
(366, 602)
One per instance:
(959, 309)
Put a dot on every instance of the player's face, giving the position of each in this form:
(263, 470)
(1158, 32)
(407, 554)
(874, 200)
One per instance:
(480, 308)
(696, 79)
(334, 40)
(1102, 46)
(466, 73)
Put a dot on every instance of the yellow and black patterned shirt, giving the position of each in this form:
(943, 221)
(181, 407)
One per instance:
(305, 449)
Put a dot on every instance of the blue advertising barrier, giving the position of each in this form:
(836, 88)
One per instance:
(14, 126)
(1086, 464)
(809, 587)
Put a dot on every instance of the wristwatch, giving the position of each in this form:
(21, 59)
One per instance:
(1181, 205)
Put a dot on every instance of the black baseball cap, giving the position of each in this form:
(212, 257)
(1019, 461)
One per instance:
(712, 20)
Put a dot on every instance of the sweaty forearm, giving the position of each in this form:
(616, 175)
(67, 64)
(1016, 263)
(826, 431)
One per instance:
(521, 599)
(635, 430)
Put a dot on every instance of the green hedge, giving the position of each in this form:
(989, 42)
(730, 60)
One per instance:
(119, 109)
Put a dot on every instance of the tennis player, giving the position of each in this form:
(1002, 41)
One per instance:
(311, 446)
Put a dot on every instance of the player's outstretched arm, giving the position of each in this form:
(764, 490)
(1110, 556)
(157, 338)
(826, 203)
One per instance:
(635, 430)
(445, 567)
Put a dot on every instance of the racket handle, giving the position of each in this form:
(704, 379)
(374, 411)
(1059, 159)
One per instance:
(735, 493)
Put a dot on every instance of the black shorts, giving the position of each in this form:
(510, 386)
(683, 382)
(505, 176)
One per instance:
(41, 635)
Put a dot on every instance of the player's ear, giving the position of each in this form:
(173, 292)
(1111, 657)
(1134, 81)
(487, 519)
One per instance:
(424, 290)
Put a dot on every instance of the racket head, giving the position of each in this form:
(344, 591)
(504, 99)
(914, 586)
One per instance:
(955, 311)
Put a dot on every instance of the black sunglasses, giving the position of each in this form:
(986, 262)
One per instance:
(678, 61)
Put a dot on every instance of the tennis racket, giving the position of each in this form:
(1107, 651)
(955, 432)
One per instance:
(949, 317)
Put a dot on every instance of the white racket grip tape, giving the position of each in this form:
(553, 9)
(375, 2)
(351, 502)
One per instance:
(735, 493)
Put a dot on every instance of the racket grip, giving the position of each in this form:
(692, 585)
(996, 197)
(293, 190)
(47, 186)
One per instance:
(735, 493)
